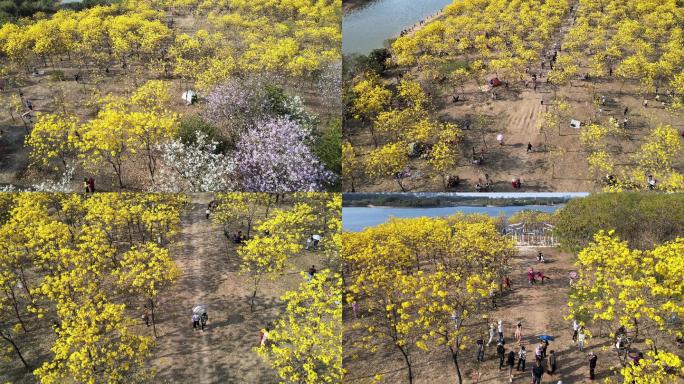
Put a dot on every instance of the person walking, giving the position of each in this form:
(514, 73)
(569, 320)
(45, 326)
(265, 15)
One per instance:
(263, 336)
(551, 362)
(518, 332)
(592, 365)
(500, 352)
(91, 184)
(575, 329)
(511, 363)
(500, 329)
(203, 320)
(537, 373)
(492, 333)
(545, 345)
(530, 276)
(195, 321)
(85, 185)
(480, 350)
(581, 338)
(522, 356)
(529, 147)
(624, 113)
(538, 352)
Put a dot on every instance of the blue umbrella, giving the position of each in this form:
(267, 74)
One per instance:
(546, 337)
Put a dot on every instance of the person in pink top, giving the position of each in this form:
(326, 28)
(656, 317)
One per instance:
(530, 276)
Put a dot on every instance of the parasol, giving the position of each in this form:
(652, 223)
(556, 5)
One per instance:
(199, 309)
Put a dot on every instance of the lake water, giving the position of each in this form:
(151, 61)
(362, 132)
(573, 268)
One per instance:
(368, 27)
(355, 219)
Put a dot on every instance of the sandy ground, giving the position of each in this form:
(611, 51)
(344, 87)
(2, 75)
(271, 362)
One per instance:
(541, 310)
(516, 114)
(223, 353)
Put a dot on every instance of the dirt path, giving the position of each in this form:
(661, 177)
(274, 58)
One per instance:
(224, 352)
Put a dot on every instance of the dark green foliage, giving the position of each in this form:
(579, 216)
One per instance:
(328, 147)
(191, 124)
(642, 219)
(375, 61)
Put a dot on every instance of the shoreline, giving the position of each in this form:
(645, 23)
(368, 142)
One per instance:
(349, 6)
(413, 28)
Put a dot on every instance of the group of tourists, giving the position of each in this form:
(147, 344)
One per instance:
(544, 362)
(199, 322)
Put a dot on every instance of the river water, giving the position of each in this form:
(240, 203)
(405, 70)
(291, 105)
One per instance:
(355, 219)
(366, 28)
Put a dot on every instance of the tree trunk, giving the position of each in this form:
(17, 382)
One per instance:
(454, 357)
(636, 328)
(375, 139)
(154, 321)
(408, 364)
(16, 349)
(251, 303)
(15, 305)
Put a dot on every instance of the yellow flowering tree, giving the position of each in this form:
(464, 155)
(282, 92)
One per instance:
(305, 344)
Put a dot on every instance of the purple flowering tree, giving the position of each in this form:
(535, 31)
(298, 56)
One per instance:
(235, 105)
(273, 156)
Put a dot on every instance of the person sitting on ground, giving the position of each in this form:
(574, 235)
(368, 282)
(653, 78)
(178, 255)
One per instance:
(651, 182)
(516, 183)
(529, 147)
(238, 238)
(312, 272)
(453, 181)
(455, 98)
(478, 187)
(540, 257)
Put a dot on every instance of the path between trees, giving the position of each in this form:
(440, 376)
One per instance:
(223, 352)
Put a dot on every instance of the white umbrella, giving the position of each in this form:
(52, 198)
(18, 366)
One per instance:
(199, 309)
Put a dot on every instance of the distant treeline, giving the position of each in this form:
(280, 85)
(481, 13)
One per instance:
(641, 219)
(13, 10)
(427, 201)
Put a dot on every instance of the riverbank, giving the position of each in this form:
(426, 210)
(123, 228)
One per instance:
(351, 5)
(422, 23)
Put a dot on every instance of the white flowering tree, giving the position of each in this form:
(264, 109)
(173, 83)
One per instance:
(196, 166)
